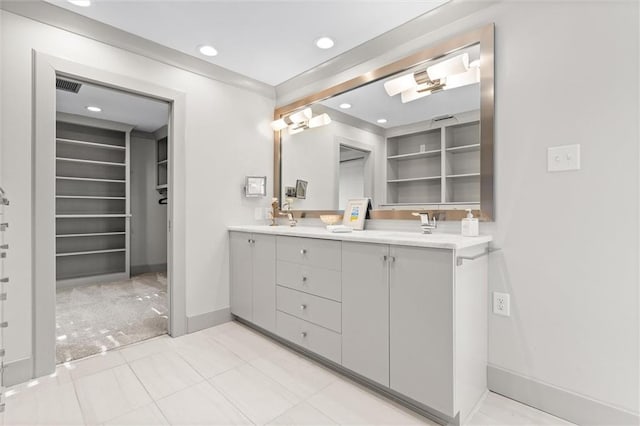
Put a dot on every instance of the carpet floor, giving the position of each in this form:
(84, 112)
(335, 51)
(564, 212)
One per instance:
(95, 318)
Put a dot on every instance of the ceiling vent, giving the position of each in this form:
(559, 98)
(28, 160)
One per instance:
(68, 85)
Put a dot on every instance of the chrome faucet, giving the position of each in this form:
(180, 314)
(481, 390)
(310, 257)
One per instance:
(289, 214)
(427, 225)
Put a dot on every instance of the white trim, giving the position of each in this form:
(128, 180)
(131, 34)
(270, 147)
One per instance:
(562, 403)
(208, 319)
(46, 68)
(17, 372)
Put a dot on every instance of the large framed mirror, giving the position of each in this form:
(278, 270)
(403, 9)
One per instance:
(414, 135)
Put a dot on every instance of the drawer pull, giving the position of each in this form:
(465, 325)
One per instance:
(4, 280)
(4, 246)
(303, 307)
(304, 279)
(303, 334)
(303, 252)
(4, 324)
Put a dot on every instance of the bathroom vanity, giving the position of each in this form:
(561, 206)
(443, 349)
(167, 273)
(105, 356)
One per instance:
(405, 313)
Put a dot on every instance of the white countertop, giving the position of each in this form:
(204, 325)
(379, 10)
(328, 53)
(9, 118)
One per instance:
(416, 239)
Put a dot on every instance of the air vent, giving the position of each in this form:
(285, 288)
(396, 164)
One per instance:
(67, 85)
(442, 117)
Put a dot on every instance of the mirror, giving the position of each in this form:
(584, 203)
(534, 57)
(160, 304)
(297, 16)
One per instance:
(414, 135)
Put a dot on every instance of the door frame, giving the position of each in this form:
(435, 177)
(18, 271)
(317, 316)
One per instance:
(46, 69)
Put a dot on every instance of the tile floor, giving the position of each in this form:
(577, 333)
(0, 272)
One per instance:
(220, 376)
(98, 317)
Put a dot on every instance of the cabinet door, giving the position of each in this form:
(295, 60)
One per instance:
(264, 281)
(421, 325)
(365, 310)
(241, 271)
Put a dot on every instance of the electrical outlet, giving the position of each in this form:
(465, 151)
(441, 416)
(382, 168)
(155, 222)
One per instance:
(563, 158)
(501, 304)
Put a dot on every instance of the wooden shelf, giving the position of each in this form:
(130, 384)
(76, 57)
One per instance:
(92, 144)
(417, 179)
(414, 155)
(100, 163)
(464, 148)
(82, 253)
(463, 175)
(89, 197)
(91, 179)
(80, 216)
(91, 234)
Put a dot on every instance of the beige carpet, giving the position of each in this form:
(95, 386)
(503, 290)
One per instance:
(95, 318)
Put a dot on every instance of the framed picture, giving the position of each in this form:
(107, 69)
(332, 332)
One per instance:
(356, 213)
(255, 186)
(301, 189)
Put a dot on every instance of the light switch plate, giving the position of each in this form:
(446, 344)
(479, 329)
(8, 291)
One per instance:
(563, 158)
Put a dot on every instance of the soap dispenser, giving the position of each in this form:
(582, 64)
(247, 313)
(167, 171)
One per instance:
(470, 225)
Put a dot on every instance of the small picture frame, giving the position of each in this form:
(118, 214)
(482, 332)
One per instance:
(290, 191)
(301, 189)
(255, 186)
(356, 213)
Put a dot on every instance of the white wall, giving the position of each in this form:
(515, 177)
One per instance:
(148, 218)
(222, 147)
(569, 241)
(314, 155)
(351, 181)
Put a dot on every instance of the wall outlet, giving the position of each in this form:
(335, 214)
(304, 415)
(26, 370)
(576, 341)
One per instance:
(501, 304)
(563, 158)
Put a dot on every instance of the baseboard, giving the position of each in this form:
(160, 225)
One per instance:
(17, 372)
(96, 279)
(208, 319)
(558, 402)
(143, 269)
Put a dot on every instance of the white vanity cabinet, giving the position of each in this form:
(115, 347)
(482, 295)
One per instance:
(253, 278)
(406, 318)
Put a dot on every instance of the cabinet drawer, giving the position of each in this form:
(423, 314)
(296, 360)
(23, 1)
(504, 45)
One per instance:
(309, 251)
(319, 281)
(322, 312)
(317, 339)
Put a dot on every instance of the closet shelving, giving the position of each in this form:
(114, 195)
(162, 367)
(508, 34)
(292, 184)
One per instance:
(435, 164)
(92, 200)
(162, 155)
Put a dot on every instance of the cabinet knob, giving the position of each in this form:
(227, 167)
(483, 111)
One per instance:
(303, 334)
(4, 246)
(303, 251)
(303, 307)
(385, 258)
(4, 280)
(392, 259)
(304, 279)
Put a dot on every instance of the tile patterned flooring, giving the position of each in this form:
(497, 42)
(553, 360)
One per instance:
(224, 375)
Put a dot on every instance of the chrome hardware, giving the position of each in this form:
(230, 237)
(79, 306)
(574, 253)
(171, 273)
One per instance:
(287, 212)
(3, 296)
(4, 247)
(303, 252)
(392, 259)
(4, 324)
(304, 279)
(2, 352)
(4, 226)
(3, 255)
(2, 408)
(251, 241)
(303, 334)
(427, 225)
(303, 307)
(487, 250)
(385, 258)
(3, 199)
(4, 280)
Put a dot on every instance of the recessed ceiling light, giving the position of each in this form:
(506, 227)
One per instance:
(345, 106)
(324, 43)
(81, 3)
(381, 120)
(207, 50)
(94, 108)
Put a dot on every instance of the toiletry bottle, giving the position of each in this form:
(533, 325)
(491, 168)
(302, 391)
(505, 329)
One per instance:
(470, 226)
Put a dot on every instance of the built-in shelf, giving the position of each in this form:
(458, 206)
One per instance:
(162, 162)
(100, 163)
(464, 148)
(416, 179)
(91, 234)
(453, 203)
(462, 175)
(88, 197)
(91, 179)
(92, 144)
(80, 216)
(82, 253)
(415, 155)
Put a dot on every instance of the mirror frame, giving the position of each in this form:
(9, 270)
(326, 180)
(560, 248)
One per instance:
(483, 35)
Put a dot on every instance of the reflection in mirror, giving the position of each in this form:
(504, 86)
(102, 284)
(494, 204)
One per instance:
(423, 127)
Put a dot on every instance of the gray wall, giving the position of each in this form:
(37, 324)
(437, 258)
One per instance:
(569, 240)
(149, 219)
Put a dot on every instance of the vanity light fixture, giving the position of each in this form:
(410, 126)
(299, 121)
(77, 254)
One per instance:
(324, 43)
(207, 50)
(300, 121)
(94, 108)
(81, 3)
(345, 106)
(445, 75)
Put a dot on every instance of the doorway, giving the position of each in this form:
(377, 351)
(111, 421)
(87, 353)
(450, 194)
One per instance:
(351, 174)
(111, 218)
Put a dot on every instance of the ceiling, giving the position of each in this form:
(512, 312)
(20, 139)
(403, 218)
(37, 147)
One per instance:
(269, 41)
(146, 114)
